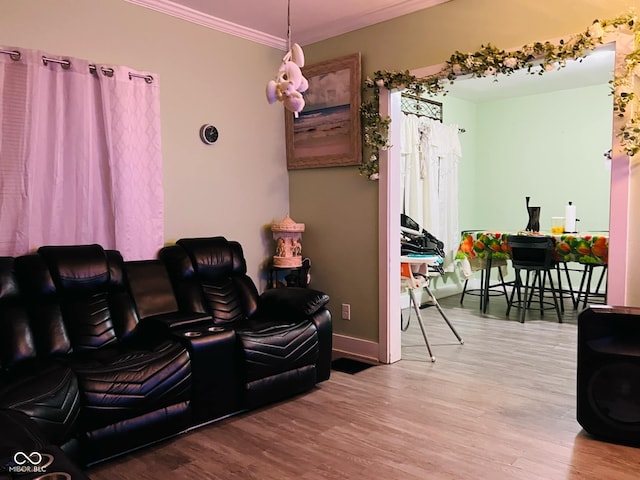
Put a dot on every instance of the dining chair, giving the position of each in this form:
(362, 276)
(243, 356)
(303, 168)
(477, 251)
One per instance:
(532, 255)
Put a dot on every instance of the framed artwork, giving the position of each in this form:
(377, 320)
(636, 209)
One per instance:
(327, 131)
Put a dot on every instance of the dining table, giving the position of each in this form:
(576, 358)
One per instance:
(482, 249)
(582, 247)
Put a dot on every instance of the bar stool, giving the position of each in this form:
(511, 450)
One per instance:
(585, 285)
(487, 289)
(560, 266)
(484, 265)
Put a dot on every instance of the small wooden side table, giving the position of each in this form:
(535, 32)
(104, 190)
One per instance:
(292, 276)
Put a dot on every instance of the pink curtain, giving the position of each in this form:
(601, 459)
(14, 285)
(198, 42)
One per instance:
(80, 156)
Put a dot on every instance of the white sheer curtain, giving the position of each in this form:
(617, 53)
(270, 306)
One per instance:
(80, 156)
(412, 170)
(431, 153)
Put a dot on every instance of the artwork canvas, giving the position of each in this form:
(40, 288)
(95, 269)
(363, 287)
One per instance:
(327, 131)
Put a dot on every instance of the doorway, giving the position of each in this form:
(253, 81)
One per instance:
(389, 211)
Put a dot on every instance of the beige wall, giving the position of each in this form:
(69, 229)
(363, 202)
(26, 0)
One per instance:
(232, 188)
(345, 206)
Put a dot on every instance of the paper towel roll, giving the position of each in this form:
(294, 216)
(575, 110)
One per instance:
(570, 218)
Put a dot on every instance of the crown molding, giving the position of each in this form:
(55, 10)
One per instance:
(215, 23)
(337, 25)
(355, 22)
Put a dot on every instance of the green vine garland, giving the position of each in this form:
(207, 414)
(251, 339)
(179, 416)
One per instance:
(536, 58)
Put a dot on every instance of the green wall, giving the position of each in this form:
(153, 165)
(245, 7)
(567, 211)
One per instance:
(548, 146)
(346, 203)
(551, 148)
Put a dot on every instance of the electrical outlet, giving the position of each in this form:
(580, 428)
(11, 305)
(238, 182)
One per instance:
(346, 311)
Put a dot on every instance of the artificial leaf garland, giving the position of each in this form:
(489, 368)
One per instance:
(536, 58)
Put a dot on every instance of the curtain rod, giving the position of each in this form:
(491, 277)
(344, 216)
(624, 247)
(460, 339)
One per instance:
(16, 55)
(420, 99)
(426, 100)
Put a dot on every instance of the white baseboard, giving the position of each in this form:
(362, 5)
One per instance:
(368, 350)
(356, 348)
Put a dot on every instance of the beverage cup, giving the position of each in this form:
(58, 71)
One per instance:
(557, 225)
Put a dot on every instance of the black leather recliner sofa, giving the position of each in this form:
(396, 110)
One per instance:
(99, 356)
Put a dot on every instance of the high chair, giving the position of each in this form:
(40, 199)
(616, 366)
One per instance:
(414, 273)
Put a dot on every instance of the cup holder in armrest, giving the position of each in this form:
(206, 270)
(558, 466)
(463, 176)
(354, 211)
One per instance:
(203, 331)
(192, 333)
(54, 476)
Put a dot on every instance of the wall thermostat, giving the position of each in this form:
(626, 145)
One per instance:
(208, 134)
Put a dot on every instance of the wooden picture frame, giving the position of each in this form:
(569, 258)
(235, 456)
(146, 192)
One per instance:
(327, 132)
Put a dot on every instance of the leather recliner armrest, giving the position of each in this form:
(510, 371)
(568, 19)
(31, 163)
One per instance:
(160, 327)
(176, 320)
(292, 301)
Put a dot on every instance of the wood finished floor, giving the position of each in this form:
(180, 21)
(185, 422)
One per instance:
(501, 406)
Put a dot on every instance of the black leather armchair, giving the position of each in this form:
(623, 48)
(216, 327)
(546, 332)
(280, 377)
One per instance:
(33, 378)
(131, 389)
(21, 438)
(284, 335)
